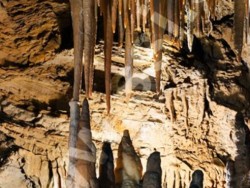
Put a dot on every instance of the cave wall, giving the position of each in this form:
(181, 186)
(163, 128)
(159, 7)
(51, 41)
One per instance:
(202, 120)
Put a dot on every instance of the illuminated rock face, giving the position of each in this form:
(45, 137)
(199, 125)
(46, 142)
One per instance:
(199, 127)
(31, 32)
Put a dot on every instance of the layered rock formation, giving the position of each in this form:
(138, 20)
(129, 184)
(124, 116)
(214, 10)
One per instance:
(31, 31)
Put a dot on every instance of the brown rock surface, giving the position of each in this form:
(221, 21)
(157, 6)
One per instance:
(200, 122)
(31, 31)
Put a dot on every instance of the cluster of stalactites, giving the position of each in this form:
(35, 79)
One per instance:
(179, 19)
(159, 17)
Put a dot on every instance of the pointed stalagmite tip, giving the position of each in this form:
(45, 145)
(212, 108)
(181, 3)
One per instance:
(85, 103)
(126, 133)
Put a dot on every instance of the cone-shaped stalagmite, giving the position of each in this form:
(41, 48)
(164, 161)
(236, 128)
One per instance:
(128, 170)
(106, 169)
(152, 177)
(85, 175)
(106, 6)
(89, 22)
(197, 179)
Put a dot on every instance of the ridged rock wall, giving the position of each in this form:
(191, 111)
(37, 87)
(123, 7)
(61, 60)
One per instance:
(31, 31)
(200, 125)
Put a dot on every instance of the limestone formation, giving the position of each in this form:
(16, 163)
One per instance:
(200, 122)
(153, 174)
(106, 169)
(128, 170)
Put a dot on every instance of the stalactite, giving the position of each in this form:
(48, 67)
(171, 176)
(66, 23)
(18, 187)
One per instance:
(77, 19)
(176, 19)
(212, 5)
(121, 23)
(239, 16)
(190, 20)
(128, 54)
(108, 42)
(207, 25)
(125, 12)
(156, 11)
(197, 9)
(138, 14)
(182, 20)
(106, 169)
(114, 14)
(144, 14)
(170, 17)
(89, 25)
(132, 19)
(247, 22)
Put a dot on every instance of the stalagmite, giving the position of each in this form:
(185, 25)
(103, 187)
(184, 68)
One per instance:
(106, 169)
(128, 54)
(239, 16)
(85, 152)
(152, 177)
(89, 25)
(197, 179)
(108, 42)
(128, 170)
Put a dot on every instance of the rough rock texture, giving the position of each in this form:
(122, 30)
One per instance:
(31, 31)
(201, 121)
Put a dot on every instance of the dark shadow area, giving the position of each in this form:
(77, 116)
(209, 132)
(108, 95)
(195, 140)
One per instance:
(197, 179)
(6, 148)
